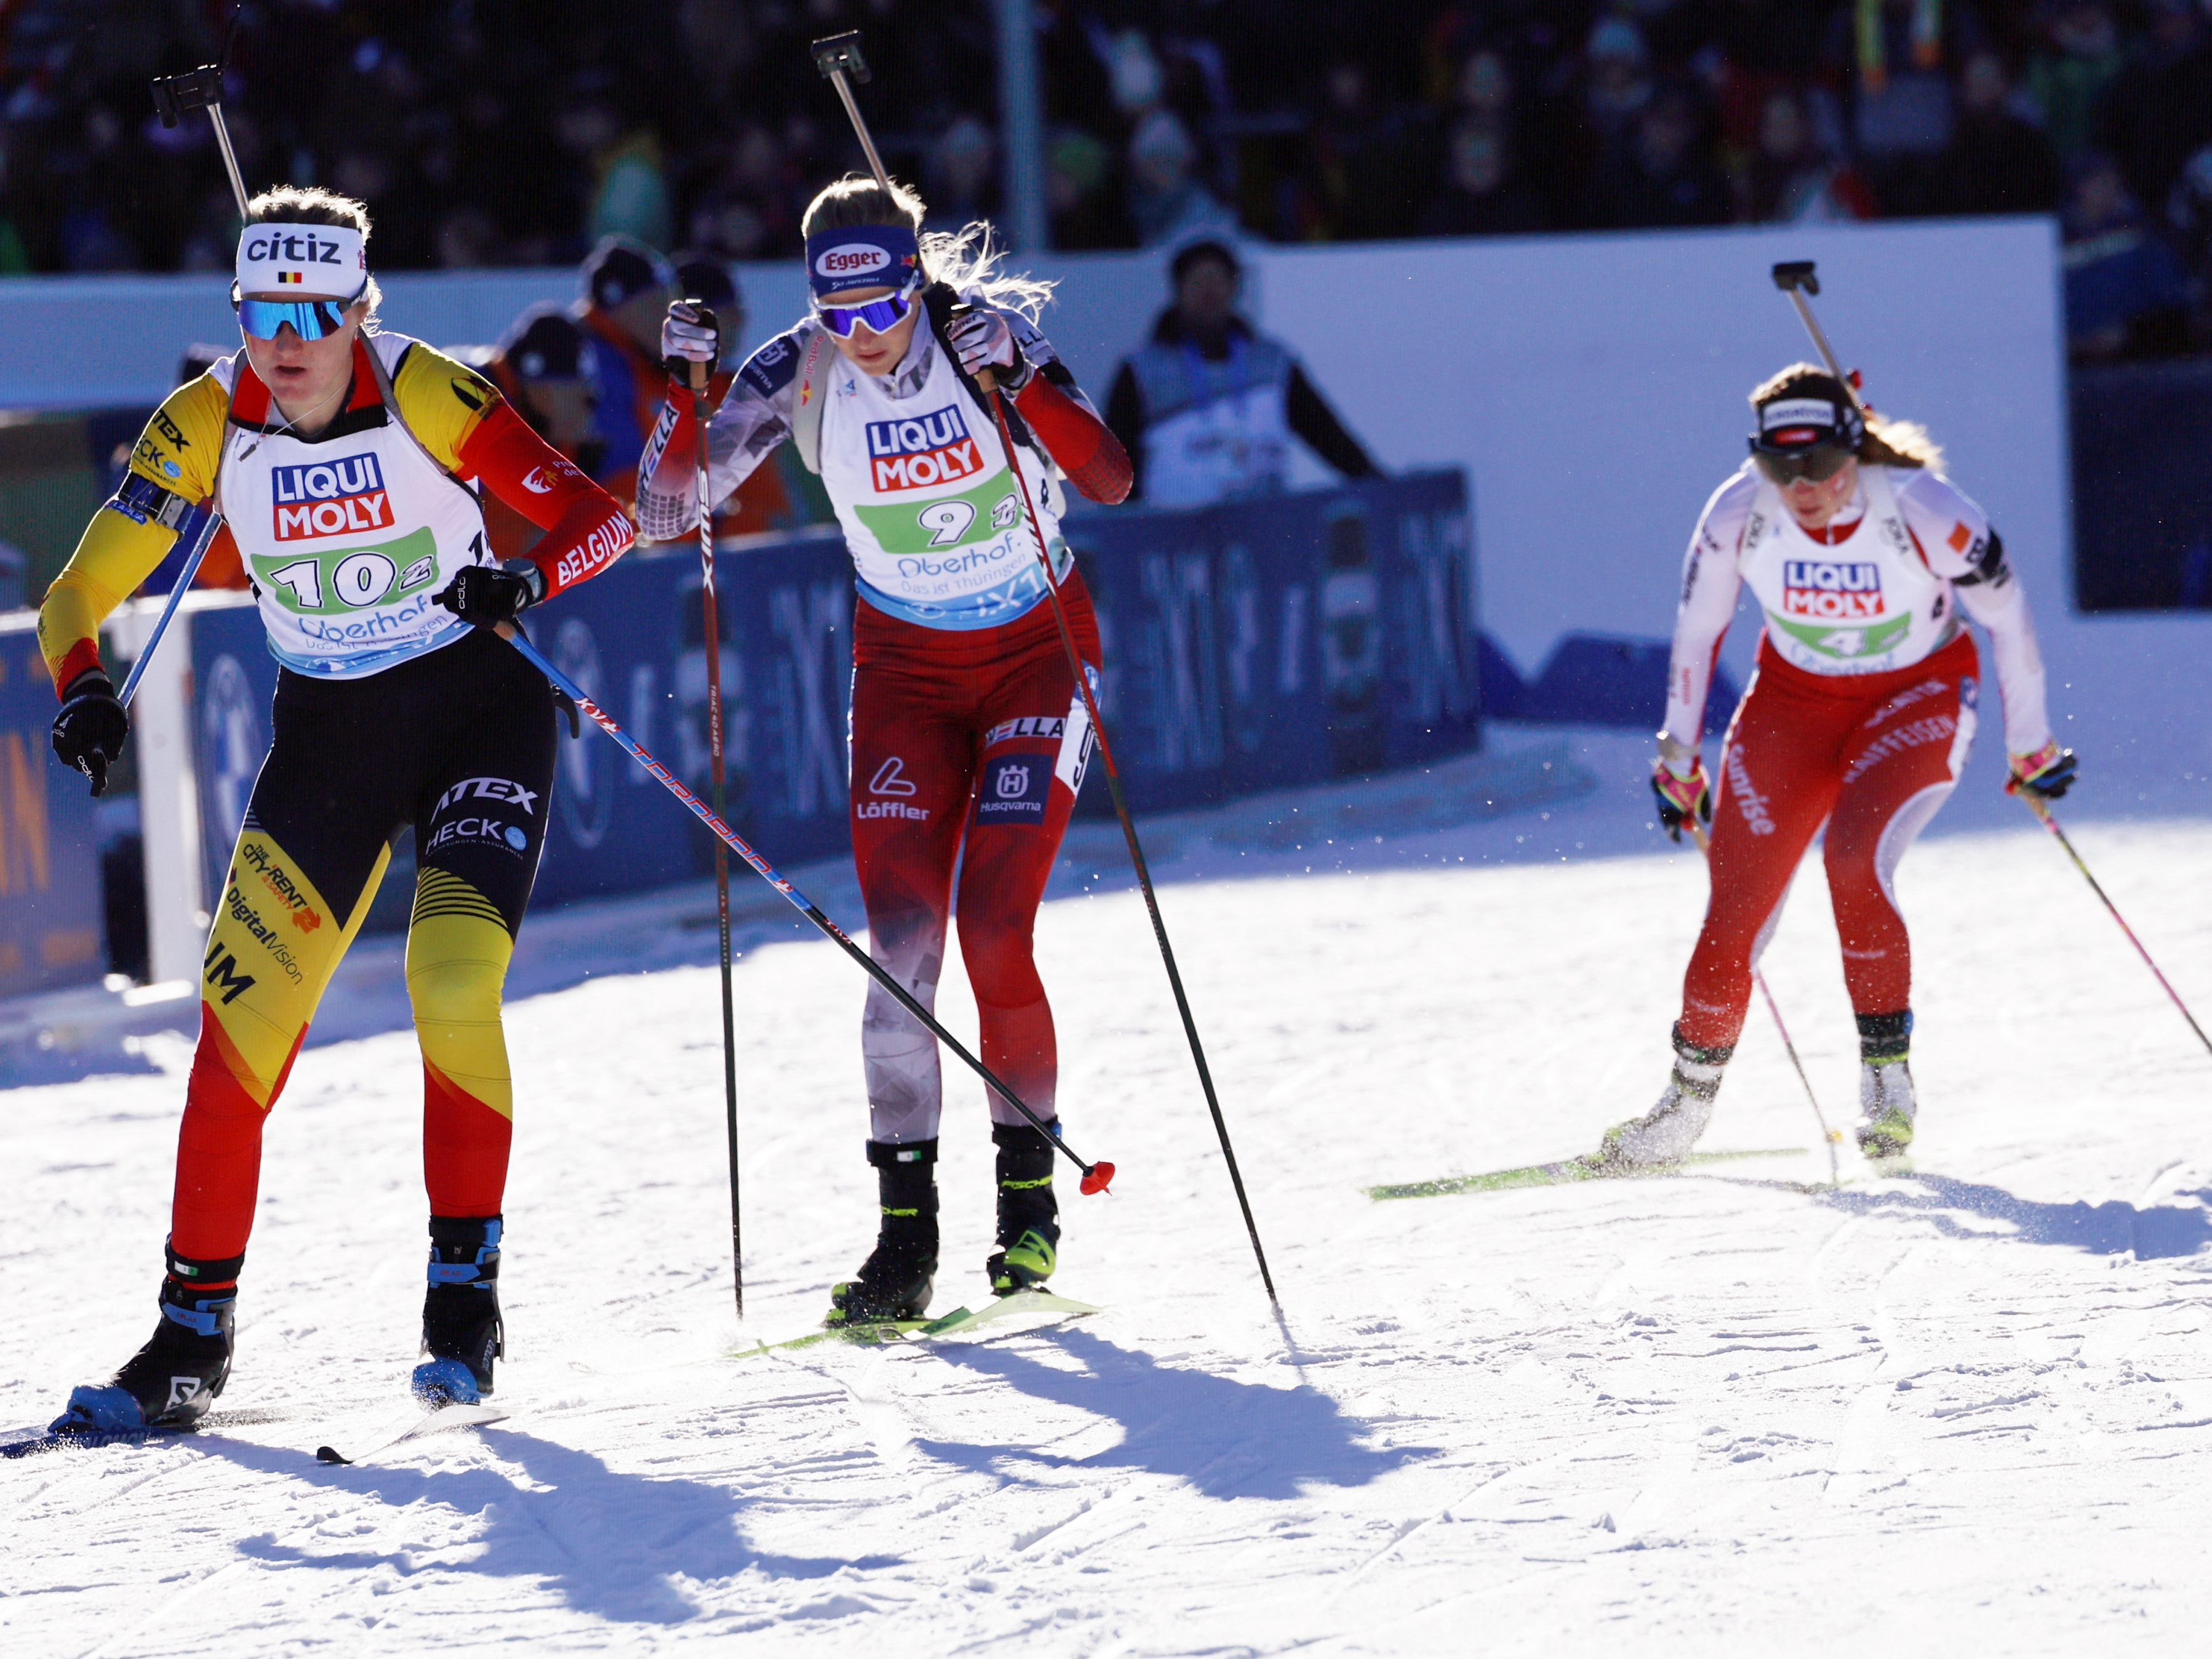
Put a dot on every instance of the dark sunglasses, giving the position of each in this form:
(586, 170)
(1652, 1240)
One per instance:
(1820, 464)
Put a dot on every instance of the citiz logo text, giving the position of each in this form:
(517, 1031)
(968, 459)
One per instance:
(308, 250)
(1830, 590)
(922, 452)
(331, 498)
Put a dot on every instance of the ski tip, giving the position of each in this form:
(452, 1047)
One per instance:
(1098, 1177)
(329, 1454)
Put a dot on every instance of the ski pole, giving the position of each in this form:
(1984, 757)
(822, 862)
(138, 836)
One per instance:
(1829, 1138)
(711, 625)
(836, 57)
(1095, 1176)
(2042, 810)
(184, 583)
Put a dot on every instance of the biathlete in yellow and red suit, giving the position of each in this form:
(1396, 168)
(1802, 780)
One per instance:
(351, 464)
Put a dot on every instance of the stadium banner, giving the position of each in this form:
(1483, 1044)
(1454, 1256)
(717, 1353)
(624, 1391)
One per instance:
(50, 892)
(1249, 646)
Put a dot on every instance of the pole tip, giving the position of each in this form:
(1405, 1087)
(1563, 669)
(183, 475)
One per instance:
(1096, 1177)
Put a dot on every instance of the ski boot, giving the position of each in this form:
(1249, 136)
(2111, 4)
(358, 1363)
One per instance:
(462, 1332)
(1664, 1136)
(171, 1381)
(1028, 1214)
(1888, 1105)
(896, 1281)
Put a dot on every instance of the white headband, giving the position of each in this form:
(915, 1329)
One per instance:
(321, 259)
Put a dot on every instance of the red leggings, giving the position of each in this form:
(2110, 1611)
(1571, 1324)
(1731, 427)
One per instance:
(967, 748)
(1874, 755)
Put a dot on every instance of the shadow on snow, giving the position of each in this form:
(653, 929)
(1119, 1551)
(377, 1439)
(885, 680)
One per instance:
(1228, 1439)
(608, 1543)
(2113, 1228)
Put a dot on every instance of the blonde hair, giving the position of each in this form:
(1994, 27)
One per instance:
(1884, 443)
(966, 259)
(311, 204)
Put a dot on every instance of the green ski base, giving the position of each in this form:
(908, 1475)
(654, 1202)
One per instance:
(1552, 1174)
(959, 1323)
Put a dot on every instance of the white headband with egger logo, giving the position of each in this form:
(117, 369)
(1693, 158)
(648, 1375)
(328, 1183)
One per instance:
(327, 261)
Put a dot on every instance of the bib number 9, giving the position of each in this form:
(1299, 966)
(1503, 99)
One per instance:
(946, 521)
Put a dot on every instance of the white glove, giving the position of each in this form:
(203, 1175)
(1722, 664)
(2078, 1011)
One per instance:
(983, 339)
(690, 334)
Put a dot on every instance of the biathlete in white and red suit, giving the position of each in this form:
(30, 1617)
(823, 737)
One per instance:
(969, 736)
(1867, 562)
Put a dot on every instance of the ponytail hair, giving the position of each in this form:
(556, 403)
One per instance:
(1884, 443)
(967, 259)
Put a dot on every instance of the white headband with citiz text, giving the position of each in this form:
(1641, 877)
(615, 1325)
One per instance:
(328, 261)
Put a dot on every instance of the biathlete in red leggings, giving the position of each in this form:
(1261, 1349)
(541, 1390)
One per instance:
(1862, 555)
(969, 736)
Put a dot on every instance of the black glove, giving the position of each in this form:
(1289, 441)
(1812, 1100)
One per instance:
(89, 731)
(690, 334)
(486, 595)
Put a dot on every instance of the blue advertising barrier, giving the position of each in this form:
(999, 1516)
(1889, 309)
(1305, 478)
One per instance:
(50, 904)
(1249, 647)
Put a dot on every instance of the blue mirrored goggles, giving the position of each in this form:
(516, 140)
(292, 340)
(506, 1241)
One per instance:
(311, 319)
(880, 316)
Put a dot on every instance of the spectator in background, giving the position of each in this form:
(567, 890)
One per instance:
(538, 368)
(627, 286)
(1666, 177)
(1999, 162)
(1790, 179)
(1483, 194)
(1902, 112)
(963, 165)
(1167, 203)
(2068, 77)
(1086, 209)
(2126, 289)
(2158, 113)
(2189, 221)
(1206, 409)
(1363, 159)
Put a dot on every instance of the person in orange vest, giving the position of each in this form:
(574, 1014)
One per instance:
(626, 288)
(539, 368)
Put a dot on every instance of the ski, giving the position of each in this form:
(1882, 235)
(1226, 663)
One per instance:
(959, 1322)
(1582, 1168)
(436, 1420)
(84, 1440)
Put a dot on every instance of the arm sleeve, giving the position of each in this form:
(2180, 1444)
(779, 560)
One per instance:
(1071, 432)
(1313, 420)
(754, 418)
(172, 467)
(1956, 538)
(586, 529)
(1711, 578)
(1124, 419)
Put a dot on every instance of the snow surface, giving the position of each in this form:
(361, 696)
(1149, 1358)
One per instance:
(1966, 1410)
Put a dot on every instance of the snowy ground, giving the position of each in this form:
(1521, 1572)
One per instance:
(1967, 1410)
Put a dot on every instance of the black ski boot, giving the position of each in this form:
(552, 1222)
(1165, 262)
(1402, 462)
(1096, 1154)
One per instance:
(1028, 1214)
(895, 1282)
(461, 1328)
(171, 1381)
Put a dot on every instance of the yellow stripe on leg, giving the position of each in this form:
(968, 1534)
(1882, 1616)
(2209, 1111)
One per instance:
(458, 950)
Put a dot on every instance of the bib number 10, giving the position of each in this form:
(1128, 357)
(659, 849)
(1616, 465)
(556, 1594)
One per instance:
(359, 579)
(949, 522)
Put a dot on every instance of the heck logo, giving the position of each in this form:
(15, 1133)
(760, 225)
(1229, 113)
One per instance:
(922, 452)
(478, 827)
(1830, 590)
(331, 498)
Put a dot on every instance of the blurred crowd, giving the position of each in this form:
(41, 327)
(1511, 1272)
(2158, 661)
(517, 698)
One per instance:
(501, 132)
